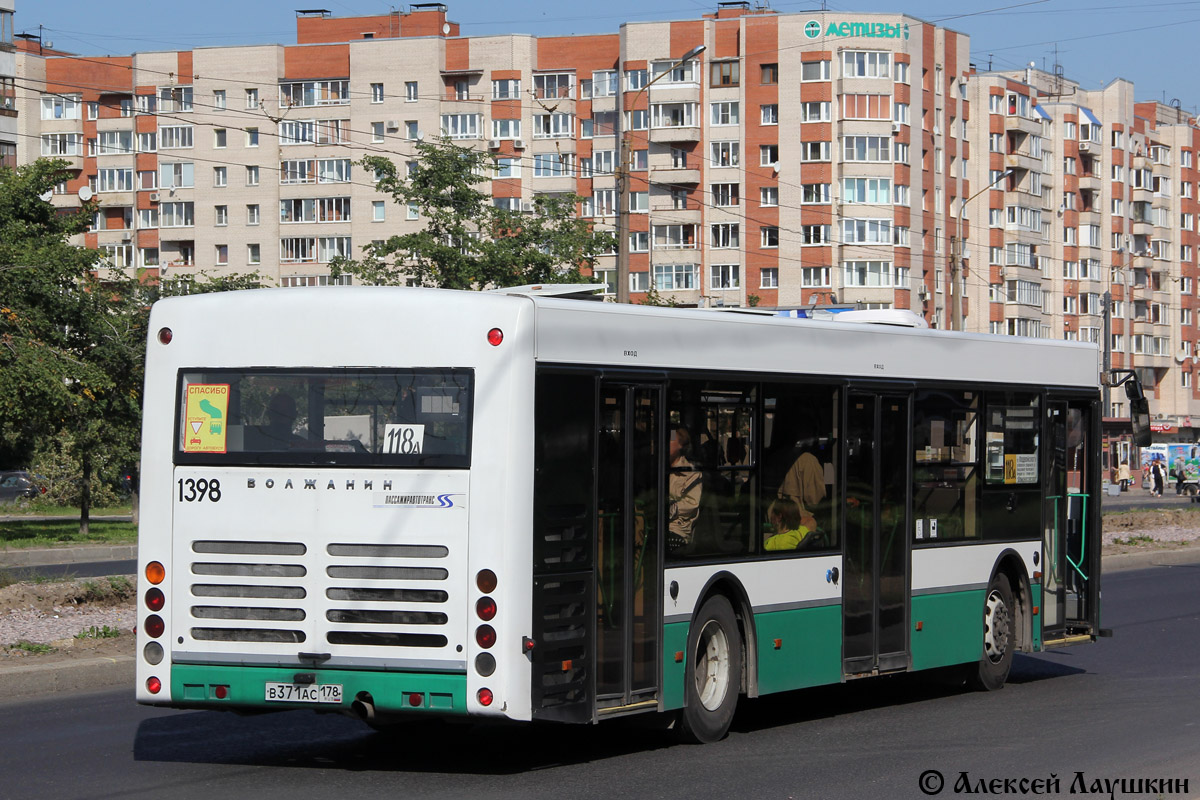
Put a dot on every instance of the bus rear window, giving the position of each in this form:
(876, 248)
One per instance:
(365, 417)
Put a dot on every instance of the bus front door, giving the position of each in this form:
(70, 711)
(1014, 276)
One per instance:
(876, 556)
(628, 571)
(1070, 536)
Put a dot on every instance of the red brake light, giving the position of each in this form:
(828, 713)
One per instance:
(495, 337)
(165, 335)
(153, 685)
(483, 695)
(221, 692)
(485, 608)
(155, 599)
(486, 581)
(485, 636)
(154, 626)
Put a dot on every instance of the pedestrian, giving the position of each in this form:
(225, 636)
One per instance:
(1123, 474)
(1157, 477)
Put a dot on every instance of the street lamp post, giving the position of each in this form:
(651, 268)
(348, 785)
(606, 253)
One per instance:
(624, 160)
(956, 320)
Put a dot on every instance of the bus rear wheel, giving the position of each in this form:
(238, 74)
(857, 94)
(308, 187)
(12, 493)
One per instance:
(999, 636)
(713, 673)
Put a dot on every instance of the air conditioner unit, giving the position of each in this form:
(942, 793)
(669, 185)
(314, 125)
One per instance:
(923, 292)
(125, 237)
(519, 144)
(895, 128)
(154, 197)
(493, 144)
(392, 125)
(526, 205)
(1085, 147)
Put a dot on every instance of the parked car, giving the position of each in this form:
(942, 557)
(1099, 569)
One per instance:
(17, 484)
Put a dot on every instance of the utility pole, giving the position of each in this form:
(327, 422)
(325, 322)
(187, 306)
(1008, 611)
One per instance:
(956, 265)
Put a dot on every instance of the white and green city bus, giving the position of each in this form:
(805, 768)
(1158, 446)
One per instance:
(398, 502)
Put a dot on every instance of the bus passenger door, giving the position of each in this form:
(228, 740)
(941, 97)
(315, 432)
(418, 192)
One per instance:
(628, 570)
(1070, 537)
(876, 557)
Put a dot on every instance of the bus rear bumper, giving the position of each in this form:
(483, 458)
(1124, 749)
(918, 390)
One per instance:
(358, 692)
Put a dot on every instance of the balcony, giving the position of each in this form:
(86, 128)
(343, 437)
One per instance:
(672, 176)
(675, 216)
(1015, 122)
(1023, 161)
(1089, 182)
(682, 133)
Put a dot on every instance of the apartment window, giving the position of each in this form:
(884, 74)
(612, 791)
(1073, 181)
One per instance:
(251, 137)
(410, 130)
(768, 278)
(815, 277)
(220, 216)
(875, 191)
(604, 83)
(769, 74)
(815, 151)
(816, 112)
(814, 71)
(222, 254)
(816, 235)
(639, 202)
(314, 93)
(461, 126)
(674, 237)
(556, 85)
(866, 231)
(506, 90)
(147, 142)
(635, 79)
(602, 203)
(679, 199)
(508, 168)
(220, 176)
(176, 176)
(376, 92)
(768, 236)
(176, 215)
(724, 73)
(671, 277)
(115, 180)
(551, 165)
(725, 154)
(901, 70)
(59, 107)
(413, 211)
(866, 148)
(220, 138)
(252, 98)
(768, 196)
(252, 176)
(814, 193)
(62, 144)
(378, 211)
(641, 160)
(725, 194)
(377, 134)
(768, 155)
(147, 179)
(175, 99)
(867, 106)
(866, 64)
(639, 242)
(724, 235)
(252, 214)
(175, 137)
(553, 126)
(725, 276)
(724, 113)
(769, 114)
(1069, 165)
(873, 273)
(673, 115)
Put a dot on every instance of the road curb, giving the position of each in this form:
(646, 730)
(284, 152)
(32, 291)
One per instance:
(30, 680)
(49, 556)
(1120, 562)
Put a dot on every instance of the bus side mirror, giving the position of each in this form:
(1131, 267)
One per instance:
(1139, 411)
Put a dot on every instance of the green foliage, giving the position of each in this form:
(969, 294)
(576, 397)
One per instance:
(753, 300)
(464, 241)
(33, 648)
(114, 588)
(26, 533)
(104, 632)
(57, 461)
(653, 298)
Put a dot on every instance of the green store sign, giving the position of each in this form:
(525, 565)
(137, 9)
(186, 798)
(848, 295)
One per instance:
(870, 30)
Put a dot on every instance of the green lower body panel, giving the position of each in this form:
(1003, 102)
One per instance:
(245, 687)
(675, 636)
(799, 648)
(1035, 597)
(947, 628)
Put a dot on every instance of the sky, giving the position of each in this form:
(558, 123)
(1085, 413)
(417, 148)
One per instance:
(1153, 43)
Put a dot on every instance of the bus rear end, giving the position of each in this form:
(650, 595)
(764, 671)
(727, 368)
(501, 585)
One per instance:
(305, 531)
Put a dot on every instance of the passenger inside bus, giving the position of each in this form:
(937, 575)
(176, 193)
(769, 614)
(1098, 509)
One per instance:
(790, 532)
(684, 490)
(279, 432)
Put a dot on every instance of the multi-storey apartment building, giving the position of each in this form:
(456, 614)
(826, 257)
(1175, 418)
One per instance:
(747, 157)
(8, 100)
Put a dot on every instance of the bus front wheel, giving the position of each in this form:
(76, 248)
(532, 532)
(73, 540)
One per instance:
(713, 673)
(999, 636)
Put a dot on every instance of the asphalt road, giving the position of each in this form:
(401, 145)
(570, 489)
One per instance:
(1126, 707)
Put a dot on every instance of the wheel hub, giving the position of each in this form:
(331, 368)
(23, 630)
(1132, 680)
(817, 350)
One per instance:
(712, 666)
(997, 627)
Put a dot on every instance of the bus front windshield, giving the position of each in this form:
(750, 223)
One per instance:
(351, 417)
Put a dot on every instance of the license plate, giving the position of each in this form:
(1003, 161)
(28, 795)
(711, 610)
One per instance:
(304, 693)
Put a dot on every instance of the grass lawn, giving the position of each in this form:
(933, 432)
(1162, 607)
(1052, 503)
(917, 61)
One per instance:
(47, 533)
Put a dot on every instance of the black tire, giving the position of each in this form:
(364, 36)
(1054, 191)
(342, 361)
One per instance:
(999, 637)
(712, 674)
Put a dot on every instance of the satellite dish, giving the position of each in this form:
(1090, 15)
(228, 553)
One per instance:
(46, 195)
(420, 136)
(85, 193)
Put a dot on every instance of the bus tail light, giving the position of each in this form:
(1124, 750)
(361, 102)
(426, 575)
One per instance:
(485, 579)
(154, 626)
(165, 335)
(156, 573)
(485, 608)
(495, 337)
(155, 599)
(153, 685)
(485, 636)
(483, 695)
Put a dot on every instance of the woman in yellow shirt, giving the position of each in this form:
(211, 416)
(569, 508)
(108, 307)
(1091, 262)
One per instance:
(785, 517)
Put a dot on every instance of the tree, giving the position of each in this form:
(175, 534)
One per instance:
(466, 242)
(72, 334)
